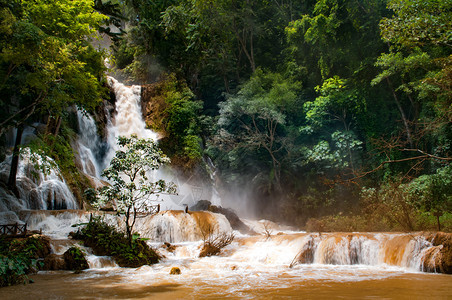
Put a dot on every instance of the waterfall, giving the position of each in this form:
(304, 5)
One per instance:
(128, 120)
(403, 250)
(178, 226)
(38, 189)
(89, 145)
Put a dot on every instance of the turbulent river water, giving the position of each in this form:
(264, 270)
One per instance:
(250, 268)
(344, 265)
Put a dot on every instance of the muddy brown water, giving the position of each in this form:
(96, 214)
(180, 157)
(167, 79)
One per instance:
(102, 285)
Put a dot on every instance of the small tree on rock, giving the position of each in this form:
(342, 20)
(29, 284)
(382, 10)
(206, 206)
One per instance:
(130, 187)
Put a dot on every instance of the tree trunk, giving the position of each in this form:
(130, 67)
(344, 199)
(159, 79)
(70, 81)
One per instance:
(15, 162)
(402, 113)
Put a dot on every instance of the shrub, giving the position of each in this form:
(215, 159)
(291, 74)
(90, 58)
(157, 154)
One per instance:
(19, 257)
(105, 239)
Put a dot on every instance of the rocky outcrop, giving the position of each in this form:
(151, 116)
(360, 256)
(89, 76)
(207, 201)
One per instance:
(154, 106)
(438, 258)
(232, 217)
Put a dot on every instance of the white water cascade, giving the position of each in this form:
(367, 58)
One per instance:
(38, 189)
(88, 145)
(128, 120)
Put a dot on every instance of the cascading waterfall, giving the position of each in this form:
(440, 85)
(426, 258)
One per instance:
(403, 250)
(128, 120)
(38, 189)
(251, 254)
(89, 145)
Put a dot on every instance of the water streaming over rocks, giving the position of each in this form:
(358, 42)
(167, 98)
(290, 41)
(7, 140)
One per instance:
(89, 145)
(38, 189)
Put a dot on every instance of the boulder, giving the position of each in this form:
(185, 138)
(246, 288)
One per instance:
(74, 259)
(232, 217)
(438, 258)
(175, 271)
(54, 262)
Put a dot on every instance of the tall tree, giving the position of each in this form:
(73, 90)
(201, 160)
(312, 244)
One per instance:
(417, 69)
(46, 61)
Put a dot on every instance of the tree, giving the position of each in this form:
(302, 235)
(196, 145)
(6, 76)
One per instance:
(418, 65)
(47, 64)
(417, 71)
(254, 118)
(128, 173)
(337, 106)
(46, 60)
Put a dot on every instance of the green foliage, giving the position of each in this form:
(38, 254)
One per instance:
(182, 122)
(18, 257)
(348, 87)
(75, 259)
(336, 37)
(46, 60)
(107, 240)
(418, 22)
(433, 192)
(130, 189)
(255, 119)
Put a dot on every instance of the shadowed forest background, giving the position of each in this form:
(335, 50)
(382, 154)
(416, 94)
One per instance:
(331, 115)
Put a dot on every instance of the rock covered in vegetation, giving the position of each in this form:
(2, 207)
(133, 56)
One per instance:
(232, 217)
(19, 257)
(74, 259)
(105, 239)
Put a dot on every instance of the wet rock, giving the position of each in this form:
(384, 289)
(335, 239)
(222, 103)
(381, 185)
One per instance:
(232, 217)
(175, 271)
(169, 247)
(75, 259)
(54, 262)
(439, 257)
(306, 254)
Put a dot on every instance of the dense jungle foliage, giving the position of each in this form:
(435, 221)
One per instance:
(316, 112)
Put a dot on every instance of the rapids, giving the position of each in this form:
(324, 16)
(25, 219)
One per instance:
(257, 267)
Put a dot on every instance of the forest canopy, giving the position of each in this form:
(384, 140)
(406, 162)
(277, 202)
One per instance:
(308, 109)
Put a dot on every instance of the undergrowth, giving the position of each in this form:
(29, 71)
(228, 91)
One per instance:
(18, 258)
(105, 239)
